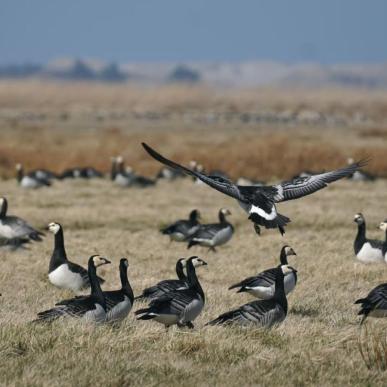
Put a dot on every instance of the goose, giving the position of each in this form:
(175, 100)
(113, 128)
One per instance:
(89, 308)
(169, 174)
(179, 307)
(383, 227)
(80, 173)
(180, 230)
(263, 285)
(360, 175)
(264, 313)
(125, 177)
(366, 250)
(170, 285)
(30, 180)
(260, 202)
(375, 304)
(215, 234)
(42, 174)
(15, 228)
(61, 272)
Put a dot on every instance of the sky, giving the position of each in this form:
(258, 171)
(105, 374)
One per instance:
(291, 31)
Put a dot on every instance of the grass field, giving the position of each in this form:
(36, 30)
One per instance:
(318, 342)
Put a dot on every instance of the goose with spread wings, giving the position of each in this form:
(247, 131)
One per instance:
(260, 202)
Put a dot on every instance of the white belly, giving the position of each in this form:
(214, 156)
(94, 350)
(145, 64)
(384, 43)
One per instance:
(369, 254)
(289, 283)
(28, 182)
(119, 311)
(192, 311)
(121, 180)
(177, 237)
(166, 319)
(7, 232)
(97, 315)
(62, 277)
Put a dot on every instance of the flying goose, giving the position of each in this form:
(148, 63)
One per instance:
(14, 228)
(214, 234)
(172, 284)
(89, 308)
(30, 180)
(263, 285)
(181, 230)
(375, 304)
(264, 313)
(383, 227)
(260, 202)
(63, 273)
(179, 307)
(366, 250)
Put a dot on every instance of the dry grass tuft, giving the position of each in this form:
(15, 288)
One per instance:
(373, 348)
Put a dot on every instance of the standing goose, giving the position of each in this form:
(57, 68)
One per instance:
(179, 307)
(172, 284)
(181, 230)
(264, 313)
(260, 202)
(215, 234)
(366, 250)
(31, 180)
(375, 304)
(263, 285)
(383, 227)
(63, 273)
(89, 308)
(14, 228)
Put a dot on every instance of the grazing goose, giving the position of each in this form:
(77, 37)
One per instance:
(264, 313)
(215, 234)
(90, 308)
(260, 202)
(366, 250)
(263, 285)
(169, 174)
(63, 273)
(383, 227)
(181, 230)
(375, 304)
(14, 228)
(170, 285)
(30, 180)
(179, 307)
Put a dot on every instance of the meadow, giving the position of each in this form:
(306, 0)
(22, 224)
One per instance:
(58, 126)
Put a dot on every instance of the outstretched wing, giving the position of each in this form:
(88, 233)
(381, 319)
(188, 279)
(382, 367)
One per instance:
(220, 184)
(303, 186)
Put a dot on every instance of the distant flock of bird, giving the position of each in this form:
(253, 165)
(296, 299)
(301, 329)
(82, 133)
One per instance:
(180, 301)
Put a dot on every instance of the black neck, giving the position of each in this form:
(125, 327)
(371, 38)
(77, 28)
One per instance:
(283, 256)
(121, 169)
(361, 232)
(125, 285)
(385, 235)
(59, 256)
(279, 292)
(20, 175)
(4, 209)
(193, 216)
(180, 271)
(96, 290)
(113, 171)
(193, 279)
(222, 217)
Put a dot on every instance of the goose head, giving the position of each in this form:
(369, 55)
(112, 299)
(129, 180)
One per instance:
(99, 261)
(288, 251)
(194, 215)
(124, 263)
(359, 219)
(383, 225)
(225, 211)
(54, 227)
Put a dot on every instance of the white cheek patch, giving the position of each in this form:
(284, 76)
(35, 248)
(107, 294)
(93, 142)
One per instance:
(256, 210)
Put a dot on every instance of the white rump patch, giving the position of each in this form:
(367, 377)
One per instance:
(256, 210)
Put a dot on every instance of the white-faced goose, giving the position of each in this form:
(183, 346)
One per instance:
(383, 227)
(63, 273)
(119, 302)
(264, 313)
(90, 308)
(260, 202)
(214, 234)
(375, 304)
(263, 285)
(30, 180)
(13, 228)
(181, 230)
(180, 307)
(366, 250)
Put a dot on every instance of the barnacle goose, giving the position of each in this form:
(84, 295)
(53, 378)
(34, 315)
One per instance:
(90, 308)
(80, 173)
(61, 272)
(214, 234)
(264, 313)
(366, 250)
(16, 229)
(262, 285)
(30, 180)
(169, 174)
(260, 202)
(383, 227)
(375, 304)
(179, 307)
(180, 230)
(172, 284)
(125, 177)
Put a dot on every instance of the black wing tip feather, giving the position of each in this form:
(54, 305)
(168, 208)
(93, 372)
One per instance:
(362, 162)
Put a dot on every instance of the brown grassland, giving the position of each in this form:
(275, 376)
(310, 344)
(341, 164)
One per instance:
(58, 126)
